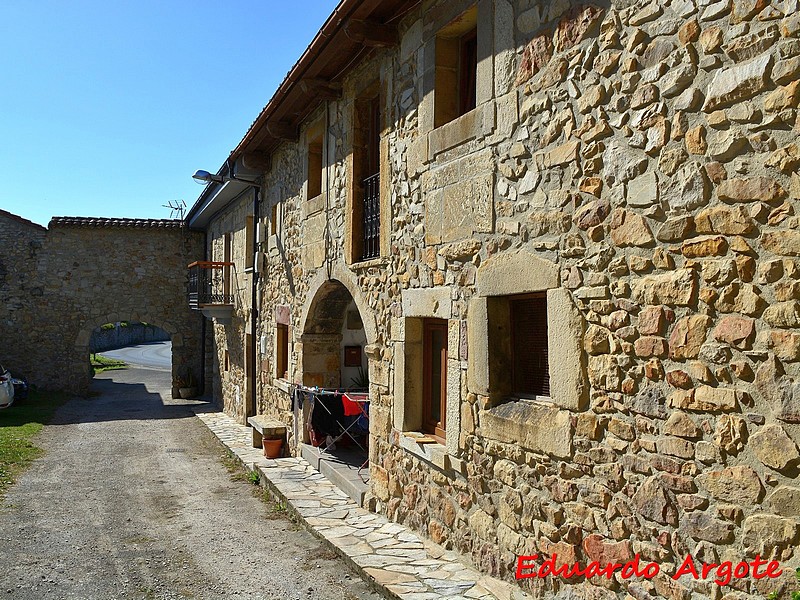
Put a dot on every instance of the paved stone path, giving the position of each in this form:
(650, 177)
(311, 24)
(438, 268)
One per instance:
(402, 564)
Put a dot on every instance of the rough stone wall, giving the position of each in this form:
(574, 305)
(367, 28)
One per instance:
(650, 156)
(230, 386)
(638, 162)
(20, 290)
(96, 271)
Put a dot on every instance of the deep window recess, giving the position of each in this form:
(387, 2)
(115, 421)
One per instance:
(456, 68)
(226, 270)
(530, 366)
(468, 70)
(249, 231)
(434, 377)
(273, 220)
(282, 351)
(314, 168)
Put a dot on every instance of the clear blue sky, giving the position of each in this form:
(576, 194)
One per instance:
(107, 108)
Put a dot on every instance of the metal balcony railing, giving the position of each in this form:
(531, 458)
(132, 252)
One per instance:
(371, 226)
(208, 285)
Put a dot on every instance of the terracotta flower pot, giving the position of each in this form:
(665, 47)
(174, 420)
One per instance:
(272, 448)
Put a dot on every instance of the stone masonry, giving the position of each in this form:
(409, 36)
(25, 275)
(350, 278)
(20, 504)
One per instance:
(59, 284)
(637, 164)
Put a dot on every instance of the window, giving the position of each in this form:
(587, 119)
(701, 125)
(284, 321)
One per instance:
(249, 236)
(282, 351)
(273, 220)
(518, 346)
(456, 68)
(434, 377)
(226, 269)
(531, 373)
(314, 167)
(365, 195)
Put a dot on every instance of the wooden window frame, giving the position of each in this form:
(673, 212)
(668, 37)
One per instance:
(281, 351)
(273, 220)
(226, 269)
(429, 425)
(456, 68)
(468, 72)
(365, 208)
(249, 237)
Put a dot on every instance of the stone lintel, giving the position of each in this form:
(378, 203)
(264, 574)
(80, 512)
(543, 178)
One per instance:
(517, 272)
(427, 302)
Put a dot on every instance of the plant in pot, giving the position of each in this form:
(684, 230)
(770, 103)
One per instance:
(187, 387)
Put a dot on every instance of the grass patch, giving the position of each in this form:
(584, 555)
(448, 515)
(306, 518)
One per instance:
(18, 424)
(102, 363)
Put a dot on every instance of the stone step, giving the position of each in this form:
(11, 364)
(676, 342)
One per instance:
(339, 471)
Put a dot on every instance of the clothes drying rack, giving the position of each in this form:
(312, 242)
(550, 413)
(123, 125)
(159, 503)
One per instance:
(355, 412)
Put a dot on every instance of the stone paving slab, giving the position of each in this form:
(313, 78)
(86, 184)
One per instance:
(399, 563)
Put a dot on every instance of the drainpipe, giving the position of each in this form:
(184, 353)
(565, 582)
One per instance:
(254, 303)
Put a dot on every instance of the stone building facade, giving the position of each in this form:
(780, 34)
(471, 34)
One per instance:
(583, 287)
(59, 284)
(20, 290)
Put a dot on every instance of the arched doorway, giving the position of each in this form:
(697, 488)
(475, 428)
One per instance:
(333, 339)
(335, 365)
(184, 365)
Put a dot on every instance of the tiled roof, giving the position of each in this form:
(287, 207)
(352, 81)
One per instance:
(111, 222)
(12, 216)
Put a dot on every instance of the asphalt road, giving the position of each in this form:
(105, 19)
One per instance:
(132, 500)
(153, 355)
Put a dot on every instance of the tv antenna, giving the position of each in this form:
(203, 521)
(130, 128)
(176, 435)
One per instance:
(177, 208)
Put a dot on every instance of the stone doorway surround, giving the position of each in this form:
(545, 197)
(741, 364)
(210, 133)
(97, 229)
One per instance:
(320, 343)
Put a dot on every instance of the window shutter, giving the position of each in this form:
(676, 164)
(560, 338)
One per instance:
(529, 346)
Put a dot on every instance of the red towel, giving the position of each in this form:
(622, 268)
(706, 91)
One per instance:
(351, 408)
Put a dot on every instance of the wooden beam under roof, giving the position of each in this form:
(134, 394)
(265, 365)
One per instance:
(371, 33)
(257, 161)
(321, 88)
(282, 130)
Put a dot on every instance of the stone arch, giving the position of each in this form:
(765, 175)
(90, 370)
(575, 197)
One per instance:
(322, 326)
(345, 277)
(182, 359)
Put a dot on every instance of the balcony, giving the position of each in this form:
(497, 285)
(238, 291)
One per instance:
(209, 290)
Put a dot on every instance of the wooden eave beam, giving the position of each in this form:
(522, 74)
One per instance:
(370, 33)
(321, 88)
(283, 131)
(257, 161)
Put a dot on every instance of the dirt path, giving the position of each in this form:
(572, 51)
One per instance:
(132, 500)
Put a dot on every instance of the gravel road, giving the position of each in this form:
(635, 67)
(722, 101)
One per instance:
(133, 500)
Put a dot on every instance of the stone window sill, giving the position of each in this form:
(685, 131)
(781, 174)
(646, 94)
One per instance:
(475, 124)
(282, 384)
(313, 205)
(372, 262)
(434, 454)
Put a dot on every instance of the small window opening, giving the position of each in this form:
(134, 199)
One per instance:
(282, 351)
(314, 168)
